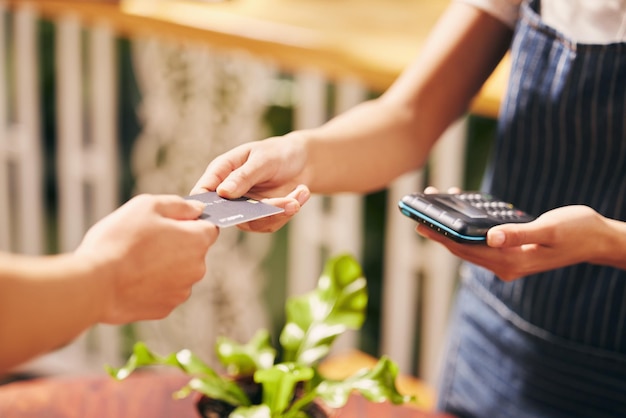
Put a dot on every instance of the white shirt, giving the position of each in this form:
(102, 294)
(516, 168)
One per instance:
(584, 21)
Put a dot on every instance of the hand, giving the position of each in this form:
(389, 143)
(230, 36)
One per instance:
(558, 238)
(149, 252)
(290, 203)
(272, 167)
(267, 170)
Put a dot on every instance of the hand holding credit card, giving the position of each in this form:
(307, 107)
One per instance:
(228, 212)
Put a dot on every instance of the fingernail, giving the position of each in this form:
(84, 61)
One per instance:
(303, 195)
(496, 238)
(291, 208)
(228, 186)
(198, 204)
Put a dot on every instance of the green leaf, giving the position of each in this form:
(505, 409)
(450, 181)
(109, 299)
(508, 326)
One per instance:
(247, 358)
(314, 321)
(255, 411)
(279, 384)
(376, 385)
(190, 363)
(317, 318)
(217, 387)
(141, 357)
(203, 378)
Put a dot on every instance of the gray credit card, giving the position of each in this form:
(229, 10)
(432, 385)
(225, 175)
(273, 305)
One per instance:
(228, 212)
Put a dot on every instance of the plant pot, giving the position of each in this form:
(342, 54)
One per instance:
(214, 408)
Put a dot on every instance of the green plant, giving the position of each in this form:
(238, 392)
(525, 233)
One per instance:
(314, 321)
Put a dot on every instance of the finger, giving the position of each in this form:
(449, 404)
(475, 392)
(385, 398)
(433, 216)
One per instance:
(241, 180)
(293, 201)
(301, 193)
(422, 230)
(219, 169)
(515, 235)
(209, 230)
(431, 190)
(274, 222)
(291, 204)
(201, 234)
(175, 207)
(270, 224)
(210, 179)
(242, 174)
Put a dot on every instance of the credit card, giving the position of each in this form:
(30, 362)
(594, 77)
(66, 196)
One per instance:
(228, 212)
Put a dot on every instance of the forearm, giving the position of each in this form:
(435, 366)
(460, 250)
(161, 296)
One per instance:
(368, 146)
(45, 302)
(362, 150)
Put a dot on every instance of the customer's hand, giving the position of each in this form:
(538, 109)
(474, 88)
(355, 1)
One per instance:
(149, 253)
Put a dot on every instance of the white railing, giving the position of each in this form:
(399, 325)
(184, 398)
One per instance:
(21, 215)
(416, 273)
(87, 159)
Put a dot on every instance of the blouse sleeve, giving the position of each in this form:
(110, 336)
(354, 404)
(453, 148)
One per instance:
(506, 11)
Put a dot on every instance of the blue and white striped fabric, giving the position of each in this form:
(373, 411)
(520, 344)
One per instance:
(562, 141)
(551, 344)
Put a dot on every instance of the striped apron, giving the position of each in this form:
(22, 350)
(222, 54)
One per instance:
(551, 344)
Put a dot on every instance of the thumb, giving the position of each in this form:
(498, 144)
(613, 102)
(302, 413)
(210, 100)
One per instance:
(249, 173)
(175, 207)
(513, 235)
(240, 181)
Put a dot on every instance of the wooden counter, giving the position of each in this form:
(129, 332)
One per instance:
(149, 394)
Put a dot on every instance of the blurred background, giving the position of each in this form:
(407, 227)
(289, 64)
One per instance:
(101, 100)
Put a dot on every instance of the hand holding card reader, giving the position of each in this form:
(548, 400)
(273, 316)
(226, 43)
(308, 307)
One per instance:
(465, 217)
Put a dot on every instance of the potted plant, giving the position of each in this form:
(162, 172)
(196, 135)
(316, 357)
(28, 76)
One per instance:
(257, 385)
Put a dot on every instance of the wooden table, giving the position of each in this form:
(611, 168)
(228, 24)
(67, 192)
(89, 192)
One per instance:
(368, 40)
(141, 395)
(149, 395)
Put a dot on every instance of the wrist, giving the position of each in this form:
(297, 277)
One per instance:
(95, 282)
(612, 247)
(300, 148)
